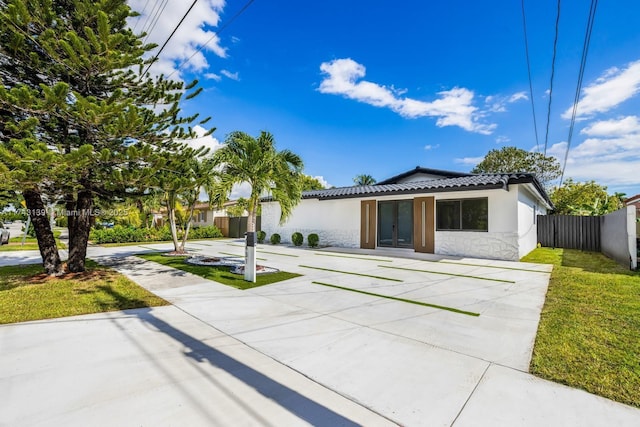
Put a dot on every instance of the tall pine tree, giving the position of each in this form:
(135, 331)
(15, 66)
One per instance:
(71, 83)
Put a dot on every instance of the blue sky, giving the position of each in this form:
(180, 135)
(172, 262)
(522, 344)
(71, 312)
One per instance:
(371, 87)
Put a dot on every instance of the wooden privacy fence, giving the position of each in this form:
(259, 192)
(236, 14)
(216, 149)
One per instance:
(569, 232)
(233, 226)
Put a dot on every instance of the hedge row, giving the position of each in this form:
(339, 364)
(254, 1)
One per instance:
(122, 234)
(297, 238)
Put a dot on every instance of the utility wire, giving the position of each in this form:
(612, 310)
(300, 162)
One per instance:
(154, 20)
(149, 17)
(553, 71)
(215, 34)
(526, 50)
(583, 62)
(140, 17)
(170, 36)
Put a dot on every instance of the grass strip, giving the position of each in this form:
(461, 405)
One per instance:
(489, 266)
(410, 301)
(150, 249)
(220, 274)
(589, 326)
(352, 273)
(240, 256)
(264, 252)
(27, 293)
(448, 274)
(148, 242)
(276, 253)
(30, 244)
(355, 257)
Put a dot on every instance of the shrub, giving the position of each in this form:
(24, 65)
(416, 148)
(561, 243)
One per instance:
(121, 234)
(297, 238)
(261, 235)
(118, 234)
(62, 221)
(31, 232)
(313, 240)
(275, 239)
(208, 232)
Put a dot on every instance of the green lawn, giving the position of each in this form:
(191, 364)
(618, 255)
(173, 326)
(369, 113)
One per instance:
(219, 274)
(30, 243)
(28, 294)
(589, 332)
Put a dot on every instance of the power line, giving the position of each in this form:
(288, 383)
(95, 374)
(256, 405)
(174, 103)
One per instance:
(149, 17)
(154, 19)
(140, 17)
(170, 36)
(215, 34)
(583, 62)
(553, 71)
(526, 50)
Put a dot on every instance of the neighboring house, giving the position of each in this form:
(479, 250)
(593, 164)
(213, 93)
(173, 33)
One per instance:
(204, 214)
(635, 201)
(425, 210)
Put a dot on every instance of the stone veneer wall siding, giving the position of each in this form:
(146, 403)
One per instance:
(502, 246)
(340, 238)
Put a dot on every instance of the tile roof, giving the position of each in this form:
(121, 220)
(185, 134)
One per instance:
(464, 183)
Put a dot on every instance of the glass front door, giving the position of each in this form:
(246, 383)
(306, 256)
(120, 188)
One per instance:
(395, 223)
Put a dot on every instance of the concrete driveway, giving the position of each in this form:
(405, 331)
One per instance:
(453, 347)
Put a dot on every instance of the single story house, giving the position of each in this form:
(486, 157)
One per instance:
(424, 210)
(204, 215)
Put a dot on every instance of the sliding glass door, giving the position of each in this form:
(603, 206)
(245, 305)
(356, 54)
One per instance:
(395, 223)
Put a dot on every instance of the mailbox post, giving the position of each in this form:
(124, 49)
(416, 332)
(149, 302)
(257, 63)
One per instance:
(250, 257)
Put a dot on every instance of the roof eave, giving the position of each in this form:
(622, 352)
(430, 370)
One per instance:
(412, 191)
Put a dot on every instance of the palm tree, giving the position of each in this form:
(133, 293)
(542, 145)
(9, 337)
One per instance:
(364, 180)
(185, 173)
(268, 171)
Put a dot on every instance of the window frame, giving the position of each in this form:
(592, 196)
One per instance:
(461, 214)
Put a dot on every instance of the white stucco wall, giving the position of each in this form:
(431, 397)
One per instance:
(336, 222)
(617, 235)
(528, 209)
(501, 239)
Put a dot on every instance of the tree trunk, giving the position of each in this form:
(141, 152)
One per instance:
(171, 211)
(252, 211)
(79, 230)
(186, 231)
(46, 242)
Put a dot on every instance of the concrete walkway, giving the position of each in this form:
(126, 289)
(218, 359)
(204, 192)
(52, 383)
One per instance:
(310, 354)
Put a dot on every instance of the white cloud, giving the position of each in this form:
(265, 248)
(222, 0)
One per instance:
(323, 181)
(610, 155)
(431, 147)
(518, 96)
(193, 33)
(498, 104)
(240, 190)
(502, 139)
(453, 107)
(469, 160)
(228, 74)
(212, 76)
(608, 91)
(614, 127)
(203, 141)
